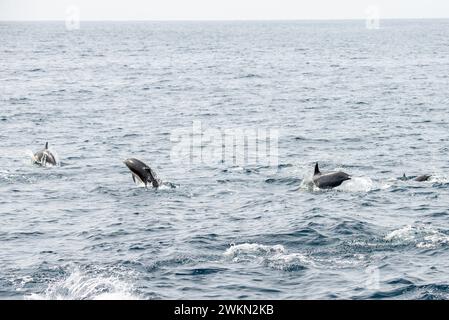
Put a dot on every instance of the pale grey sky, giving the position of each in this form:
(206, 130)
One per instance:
(220, 9)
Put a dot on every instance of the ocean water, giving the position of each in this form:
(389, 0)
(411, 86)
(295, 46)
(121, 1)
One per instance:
(370, 102)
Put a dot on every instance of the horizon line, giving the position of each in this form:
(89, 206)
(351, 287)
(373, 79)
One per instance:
(220, 20)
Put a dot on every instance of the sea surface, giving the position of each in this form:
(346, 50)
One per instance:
(371, 102)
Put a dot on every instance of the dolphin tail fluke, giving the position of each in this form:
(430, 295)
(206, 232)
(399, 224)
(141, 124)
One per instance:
(152, 177)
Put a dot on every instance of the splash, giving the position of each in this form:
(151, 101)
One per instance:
(276, 256)
(357, 184)
(82, 286)
(439, 179)
(165, 185)
(308, 185)
(420, 236)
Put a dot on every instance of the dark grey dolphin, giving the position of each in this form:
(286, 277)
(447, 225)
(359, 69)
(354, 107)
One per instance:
(44, 157)
(328, 180)
(424, 177)
(142, 173)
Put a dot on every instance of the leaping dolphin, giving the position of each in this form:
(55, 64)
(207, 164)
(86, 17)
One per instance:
(44, 157)
(329, 180)
(142, 173)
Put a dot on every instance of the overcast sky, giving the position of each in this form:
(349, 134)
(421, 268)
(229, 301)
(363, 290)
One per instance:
(220, 9)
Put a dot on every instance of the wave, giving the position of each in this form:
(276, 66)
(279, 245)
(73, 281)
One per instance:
(82, 286)
(276, 256)
(411, 291)
(420, 236)
(284, 181)
(13, 178)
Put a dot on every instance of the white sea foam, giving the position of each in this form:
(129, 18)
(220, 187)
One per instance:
(439, 179)
(81, 286)
(357, 184)
(308, 185)
(236, 252)
(401, 234)
(420, 236)
(276, 256)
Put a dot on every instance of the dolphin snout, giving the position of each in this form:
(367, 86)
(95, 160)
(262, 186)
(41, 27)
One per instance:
(129, 163)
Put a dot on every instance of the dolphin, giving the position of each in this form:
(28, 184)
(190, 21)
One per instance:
(422, 178)
(142, 173)
(44, 157)
(328, 180)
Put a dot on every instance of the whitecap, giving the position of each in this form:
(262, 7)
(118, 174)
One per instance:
(275, 256)
(82, 286)
(420, 236)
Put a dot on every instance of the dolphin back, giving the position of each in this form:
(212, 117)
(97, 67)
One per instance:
(330, 180)
(422, 178)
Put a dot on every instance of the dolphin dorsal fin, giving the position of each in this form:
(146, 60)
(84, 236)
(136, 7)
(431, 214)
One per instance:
(46, 145)
(317, 169)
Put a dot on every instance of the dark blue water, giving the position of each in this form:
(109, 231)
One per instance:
(370, 102)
